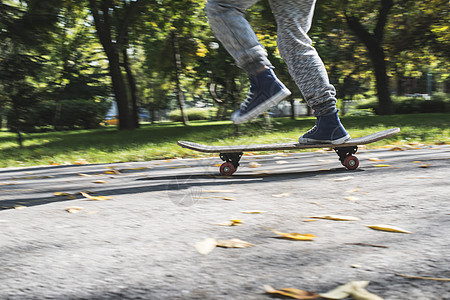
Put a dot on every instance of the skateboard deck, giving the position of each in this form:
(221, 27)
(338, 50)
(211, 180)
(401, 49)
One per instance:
(232, 154)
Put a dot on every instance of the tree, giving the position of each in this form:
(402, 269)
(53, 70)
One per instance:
(374, 43)
(113, 21)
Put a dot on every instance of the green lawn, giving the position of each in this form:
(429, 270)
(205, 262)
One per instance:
(158, 141)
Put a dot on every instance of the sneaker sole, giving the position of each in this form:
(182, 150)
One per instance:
(263, 107)
(334, 142)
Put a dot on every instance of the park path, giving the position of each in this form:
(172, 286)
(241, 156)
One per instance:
(140, 243)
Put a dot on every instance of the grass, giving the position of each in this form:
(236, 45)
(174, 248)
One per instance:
(150, 142)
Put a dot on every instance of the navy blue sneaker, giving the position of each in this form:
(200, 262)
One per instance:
(328, 130)
(266, 90)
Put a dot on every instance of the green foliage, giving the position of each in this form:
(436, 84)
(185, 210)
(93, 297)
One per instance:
(193, 114)
(412, 105)
(62, 115)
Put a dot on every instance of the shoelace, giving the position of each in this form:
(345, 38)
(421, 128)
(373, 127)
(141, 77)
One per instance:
(312, 129)
(249, 96)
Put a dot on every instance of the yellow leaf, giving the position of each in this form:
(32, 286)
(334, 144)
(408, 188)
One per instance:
(291, 292)
(376, 159)
(95, 198)
(115, 172)
(67, 195)
(381, 166)
(99, 181)
(294, 235)
(253, 211)
(85, 175)
(74, 209)
(234, 243)
(336, 218)
(425, 166)
(206, 246)
(351, 198)
(388, 228)
(231, 223)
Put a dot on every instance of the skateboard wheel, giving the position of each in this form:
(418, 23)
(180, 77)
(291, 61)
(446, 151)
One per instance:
(227, 169)
(351, 162)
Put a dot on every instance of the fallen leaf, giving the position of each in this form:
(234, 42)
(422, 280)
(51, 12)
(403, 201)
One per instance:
(81, 162)
(294, 235)
(112, 171)
(291, 292)
(351, 198)
(376, 159)
(206, 246)
(388, 228)
(254, 164)
(85, 175)
(67, 195)
(99, 181)
(424, 278)
(19, 207)
(231, 223)
(281, 162)
(310, 220)
(344, 178)
(253, 211)
(281, 195)
(396, 148)
(96, 198)
(381, 166)
(425, 166)
(74, 209)
(234, 243)
(318, 204)
(353, 190)
(345, 290)
(335, 218)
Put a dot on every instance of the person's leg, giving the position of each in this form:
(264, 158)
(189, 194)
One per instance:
(229, 25)
(294, 19)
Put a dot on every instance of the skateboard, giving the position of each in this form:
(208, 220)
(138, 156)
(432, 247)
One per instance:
(231, 155)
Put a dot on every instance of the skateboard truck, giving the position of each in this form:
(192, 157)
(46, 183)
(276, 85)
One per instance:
(231, 163)
(347, 158)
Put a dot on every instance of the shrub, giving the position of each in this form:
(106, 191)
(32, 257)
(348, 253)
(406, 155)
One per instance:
(192, 113)
(408, 105)
(66, 114)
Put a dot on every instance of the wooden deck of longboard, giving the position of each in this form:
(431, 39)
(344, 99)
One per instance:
(371, 138)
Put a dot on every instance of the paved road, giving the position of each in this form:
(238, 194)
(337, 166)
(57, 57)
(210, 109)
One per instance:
(140, 243)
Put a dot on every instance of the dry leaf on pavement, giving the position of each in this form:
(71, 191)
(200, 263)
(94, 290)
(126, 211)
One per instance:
(231, 223)
(381, 166)
(95, 198)
(344, 178)
(294, 235)
(388, 228)
(253, 211)
(74, 209)
(291, 292)
(67, 195)
(99, 181)
(234, 243)
(356, 289)
(335, 218)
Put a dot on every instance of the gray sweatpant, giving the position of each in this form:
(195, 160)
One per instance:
(293, 18)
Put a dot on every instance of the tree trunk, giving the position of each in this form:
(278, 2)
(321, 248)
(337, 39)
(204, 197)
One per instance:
(373, 42)
(178, 67)
(112, 49)
(132, 87)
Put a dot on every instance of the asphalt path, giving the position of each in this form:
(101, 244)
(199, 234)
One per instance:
(140, 243)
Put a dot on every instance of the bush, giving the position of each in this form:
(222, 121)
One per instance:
(66, 114)
(360, 112)
(409, 105)
(192, 113)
